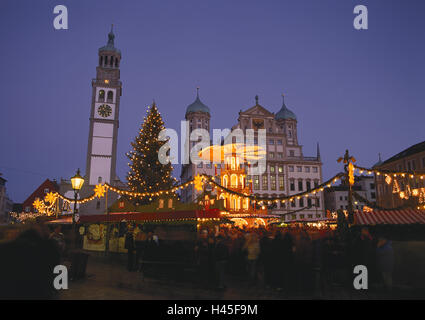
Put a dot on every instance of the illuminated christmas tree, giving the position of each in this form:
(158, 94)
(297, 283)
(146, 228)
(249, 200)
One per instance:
(147, 174)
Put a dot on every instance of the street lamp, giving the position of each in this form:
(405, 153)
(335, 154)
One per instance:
(77, 182)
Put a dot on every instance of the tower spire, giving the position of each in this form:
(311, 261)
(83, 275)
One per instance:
(318, 151)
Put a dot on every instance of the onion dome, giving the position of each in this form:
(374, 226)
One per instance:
(197, 105)
(284, 113)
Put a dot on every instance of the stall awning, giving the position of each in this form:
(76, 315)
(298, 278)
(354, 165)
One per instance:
(375, 217)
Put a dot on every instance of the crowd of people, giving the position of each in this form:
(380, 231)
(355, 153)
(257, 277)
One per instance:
(297, 259)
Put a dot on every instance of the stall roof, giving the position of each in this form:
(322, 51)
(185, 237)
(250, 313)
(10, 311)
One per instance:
(390, 217)
(151, 216)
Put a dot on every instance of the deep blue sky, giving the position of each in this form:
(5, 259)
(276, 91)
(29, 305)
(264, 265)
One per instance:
(362, 90)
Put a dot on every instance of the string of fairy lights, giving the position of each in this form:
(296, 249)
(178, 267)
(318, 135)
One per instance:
(280, 198)
(394, 178)
(401, 182)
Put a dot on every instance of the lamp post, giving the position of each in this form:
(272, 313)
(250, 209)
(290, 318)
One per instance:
(77, 182)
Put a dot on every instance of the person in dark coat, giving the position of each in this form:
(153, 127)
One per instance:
(129, 245)
(385, 261)
(221, 256)
(26, 268)
(267, 259)
(203, 250)
(284, 258)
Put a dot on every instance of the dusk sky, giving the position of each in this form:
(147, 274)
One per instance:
(361, 90)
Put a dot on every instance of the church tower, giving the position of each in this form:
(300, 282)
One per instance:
(104, 115)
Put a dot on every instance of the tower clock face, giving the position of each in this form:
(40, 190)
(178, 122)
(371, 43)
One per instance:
(104, 110)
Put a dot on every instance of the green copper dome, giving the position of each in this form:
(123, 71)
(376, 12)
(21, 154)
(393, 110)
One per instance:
(197, 105)
(110, 45)
(284, 113)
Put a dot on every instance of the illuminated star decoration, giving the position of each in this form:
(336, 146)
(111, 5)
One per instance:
(99, 190)
(199, 183)
(38, 204)
(50, 197)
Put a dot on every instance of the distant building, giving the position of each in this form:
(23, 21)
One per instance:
(367, 184)
(288, 170)
(336, 198)
(103, 131)
(6, 204)
(198, 117)
(39, 193)
(411, 159)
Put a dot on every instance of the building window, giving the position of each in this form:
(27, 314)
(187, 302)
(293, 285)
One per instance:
(299, 169)
(265, 182)
(307, 169)
(293, 204)
(271, 155)
(300, 185)
(316, 183)
(291, 168)
(273, 182)
(256, 182)
(315, 169)
(279, 142)
(46, 190)
(280, 169)
(301, 216)
(292, 185)
(280, 155)
(271, 141)
(291, 153)
(318, 202)
(98, 205)
(272, 169)
(161, 203)
(200, 165)
(308, 185)
(309, 202)
(110, 96)
(281, 183)
(102, 95)
(373, 195)
(302, 203)
(170, 203)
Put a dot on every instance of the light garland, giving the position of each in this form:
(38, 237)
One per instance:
(391, 177)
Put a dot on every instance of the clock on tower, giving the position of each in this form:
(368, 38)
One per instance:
(103, 132)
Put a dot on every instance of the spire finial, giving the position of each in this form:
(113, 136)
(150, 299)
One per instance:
(197, 92)
(112, 27)
(256, 99)
(379, 157)
(283, 100)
